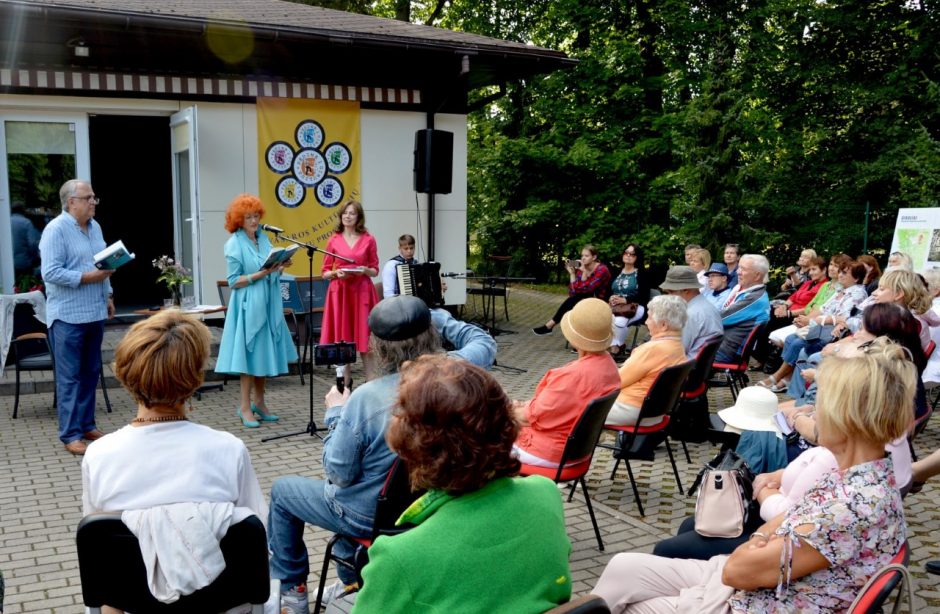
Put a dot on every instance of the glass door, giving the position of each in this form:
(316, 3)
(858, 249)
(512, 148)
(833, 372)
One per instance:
(38, 153)
(186, 219)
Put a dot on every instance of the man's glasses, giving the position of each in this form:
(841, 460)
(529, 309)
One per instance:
(91, 198)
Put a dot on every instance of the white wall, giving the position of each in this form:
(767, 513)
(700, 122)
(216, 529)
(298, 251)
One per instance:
(388, 196)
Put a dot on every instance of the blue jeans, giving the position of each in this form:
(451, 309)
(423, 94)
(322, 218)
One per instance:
(294, 502)
(76, 349)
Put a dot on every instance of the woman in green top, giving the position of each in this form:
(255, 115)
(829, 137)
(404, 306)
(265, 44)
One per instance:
(485, 540)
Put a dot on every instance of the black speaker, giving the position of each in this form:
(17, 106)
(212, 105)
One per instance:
(434, 159)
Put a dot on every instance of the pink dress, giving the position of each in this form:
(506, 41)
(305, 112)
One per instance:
(350, 299)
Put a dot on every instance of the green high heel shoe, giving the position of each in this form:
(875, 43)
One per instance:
(263, 416)
(248, 424)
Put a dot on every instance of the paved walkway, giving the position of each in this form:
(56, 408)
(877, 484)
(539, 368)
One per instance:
(40, 496)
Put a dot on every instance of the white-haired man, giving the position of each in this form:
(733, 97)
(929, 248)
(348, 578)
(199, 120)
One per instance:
(746, 307)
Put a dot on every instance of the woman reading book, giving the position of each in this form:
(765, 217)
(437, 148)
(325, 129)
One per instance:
(256, 342)
(351, 294)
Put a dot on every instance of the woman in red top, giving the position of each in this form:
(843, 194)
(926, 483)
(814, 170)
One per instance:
(351, 294)
(782, 313)
(588, 277)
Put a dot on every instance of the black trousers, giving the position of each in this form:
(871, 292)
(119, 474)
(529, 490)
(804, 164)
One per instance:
(568, 305)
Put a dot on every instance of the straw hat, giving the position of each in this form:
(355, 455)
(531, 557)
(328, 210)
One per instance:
(753, 411)
(589, 326)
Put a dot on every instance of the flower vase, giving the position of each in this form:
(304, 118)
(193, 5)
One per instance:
(177, 296)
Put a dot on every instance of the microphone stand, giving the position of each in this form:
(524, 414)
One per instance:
(312, 429)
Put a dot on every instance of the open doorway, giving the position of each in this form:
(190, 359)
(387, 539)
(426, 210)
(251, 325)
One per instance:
(131, 173)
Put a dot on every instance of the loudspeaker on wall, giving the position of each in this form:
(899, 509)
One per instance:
(434, 160)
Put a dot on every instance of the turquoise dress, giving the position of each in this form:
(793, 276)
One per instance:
(255, 340)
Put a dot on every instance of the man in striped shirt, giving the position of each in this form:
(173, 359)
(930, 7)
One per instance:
(78, 300)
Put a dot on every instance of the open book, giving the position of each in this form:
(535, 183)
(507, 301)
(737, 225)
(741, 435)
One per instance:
(113, 256)
(277, 255)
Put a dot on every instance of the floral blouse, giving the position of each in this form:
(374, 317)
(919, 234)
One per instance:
(858, 525)
(843, 301)
(625, 285)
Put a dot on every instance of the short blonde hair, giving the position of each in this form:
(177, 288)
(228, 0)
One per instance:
(704, 255)
(161, 359)
(869, 396)
(916, 298)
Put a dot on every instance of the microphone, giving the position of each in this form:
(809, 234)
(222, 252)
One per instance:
(271, 228)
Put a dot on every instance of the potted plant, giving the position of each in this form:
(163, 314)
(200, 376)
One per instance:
(174, 275)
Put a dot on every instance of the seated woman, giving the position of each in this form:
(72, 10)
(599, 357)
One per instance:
(588, 277)
(851, 294)
(812, 309)
(563, 394)
(483, 536)
(629, 288)
(700, 259)
(161, 458)
(873, 273)
(667, 316)
(816, 554)
(904, 288)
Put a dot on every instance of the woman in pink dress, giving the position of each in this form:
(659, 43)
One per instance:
(351, 294)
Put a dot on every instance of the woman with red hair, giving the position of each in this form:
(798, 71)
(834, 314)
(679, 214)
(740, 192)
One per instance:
(255, 341)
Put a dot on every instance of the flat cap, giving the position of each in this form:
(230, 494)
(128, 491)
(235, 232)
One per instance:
(397, 318)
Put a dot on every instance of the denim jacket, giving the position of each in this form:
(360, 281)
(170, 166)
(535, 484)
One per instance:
(356, 458)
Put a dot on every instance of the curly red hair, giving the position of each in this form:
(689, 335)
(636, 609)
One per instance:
(453, 425)
(242, 205)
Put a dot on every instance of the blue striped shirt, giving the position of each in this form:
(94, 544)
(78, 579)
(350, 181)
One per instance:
(67, 251)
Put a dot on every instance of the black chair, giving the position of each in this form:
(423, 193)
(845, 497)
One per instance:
(690, 421)
(579, 452)
(637, 442)
(394, 498)
(112, 570)
(586, 604)
(30, 351)
(735, 372)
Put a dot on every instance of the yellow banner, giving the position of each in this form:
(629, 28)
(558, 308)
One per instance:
(308, 156)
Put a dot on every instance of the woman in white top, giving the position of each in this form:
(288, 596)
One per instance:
(162, 457)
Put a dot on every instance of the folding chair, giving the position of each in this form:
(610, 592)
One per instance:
(661, 400)
(578, 453)
(112, 570)
(879, 587)
(735, 373)
(691, 416)
(394, 498)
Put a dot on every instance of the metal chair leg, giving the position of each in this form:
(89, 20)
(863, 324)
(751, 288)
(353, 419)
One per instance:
(614, 472)
(587, 501)
(104, 390)
(574, 485)
(675, 470)
(636, 491)
(685, 449)
(16, 401)
(323, 571)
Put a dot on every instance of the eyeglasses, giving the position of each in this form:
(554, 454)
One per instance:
(91, 198)
(629, 253)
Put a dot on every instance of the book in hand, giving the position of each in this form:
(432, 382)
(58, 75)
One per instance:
(113, 256)
(277, 255)
(780, 421)
(353, 269)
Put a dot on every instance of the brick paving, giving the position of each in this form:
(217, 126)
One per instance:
(40, 498)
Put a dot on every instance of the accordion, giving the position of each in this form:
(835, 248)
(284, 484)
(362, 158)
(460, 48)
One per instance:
(421, 280)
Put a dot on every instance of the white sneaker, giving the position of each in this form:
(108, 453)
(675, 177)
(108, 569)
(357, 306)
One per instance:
(294, 600)
(335, 591)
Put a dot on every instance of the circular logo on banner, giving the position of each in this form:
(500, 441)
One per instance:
(309, 134)
(279, 157)
(330, 192)
(290, 192)
(309, 167)
(337, 157)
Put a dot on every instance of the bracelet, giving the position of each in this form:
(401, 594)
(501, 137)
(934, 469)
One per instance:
(759, 534)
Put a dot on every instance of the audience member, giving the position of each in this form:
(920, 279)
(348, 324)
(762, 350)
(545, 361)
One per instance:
(589, 277)
(630, 291)
(718, 290)
(900, 260)
(355, 456)
(797, 275)
(667, 316)
(746, 307)
(704, 321)
(812, 309)
(454, 429)
(163, 467)
(25, 240)
(700, 261)
(872, 273)
(563, 393)
(732, 256)
(406, 255)
(816, 554)
(689, 251)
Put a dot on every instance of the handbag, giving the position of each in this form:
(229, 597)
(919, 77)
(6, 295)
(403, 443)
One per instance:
(624, 310)
(726, 497)
(821, 333)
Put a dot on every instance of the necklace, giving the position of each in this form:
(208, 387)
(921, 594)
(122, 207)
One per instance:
(158, 419)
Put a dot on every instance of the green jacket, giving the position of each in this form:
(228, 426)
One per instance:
(502, 548)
